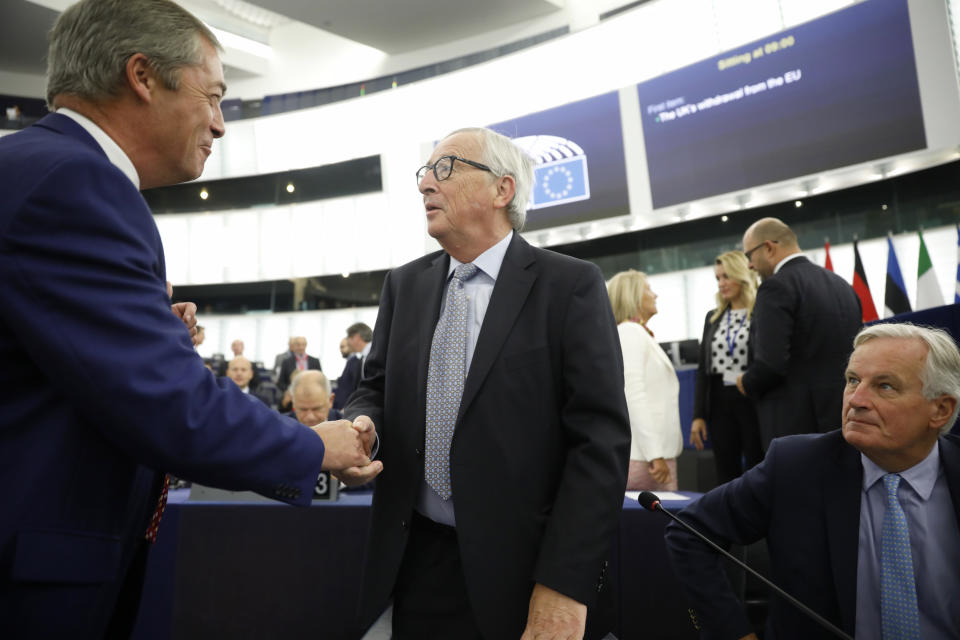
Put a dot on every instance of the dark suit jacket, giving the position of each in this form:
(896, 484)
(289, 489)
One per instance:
(801, 336)
(347, 382)
(101, 389)
(539, 455)
(288, 366)
(804, 498)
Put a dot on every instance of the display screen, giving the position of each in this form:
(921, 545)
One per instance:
(578, 150)
(833, 92)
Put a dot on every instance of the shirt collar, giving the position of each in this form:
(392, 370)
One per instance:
(921, 476)
(366, 350)
(490, 260)
(115, 154)
(790, 257)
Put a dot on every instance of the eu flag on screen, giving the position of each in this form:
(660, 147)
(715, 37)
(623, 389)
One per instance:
(560, 182)
(560, 175)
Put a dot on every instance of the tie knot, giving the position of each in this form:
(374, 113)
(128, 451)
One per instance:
(465, 271)
(891, 481)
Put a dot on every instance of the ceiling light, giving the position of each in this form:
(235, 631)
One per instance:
(203, 194)
(241, 43)
(290, 187)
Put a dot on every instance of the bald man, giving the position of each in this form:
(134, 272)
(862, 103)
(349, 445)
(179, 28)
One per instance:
(804, 321)
(240, 370)
(312, 400)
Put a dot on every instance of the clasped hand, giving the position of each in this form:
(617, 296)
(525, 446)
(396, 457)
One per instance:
(347, 450)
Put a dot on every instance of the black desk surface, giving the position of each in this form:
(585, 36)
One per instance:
(267, 570)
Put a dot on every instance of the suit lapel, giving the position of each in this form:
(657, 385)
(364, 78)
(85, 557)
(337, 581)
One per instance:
(509, 294)
(841, 496)
(429, 289)
(661, 354)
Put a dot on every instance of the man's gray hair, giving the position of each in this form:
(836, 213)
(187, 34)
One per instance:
(93, 39)
(941, 371)
(311, 377)
(507, 159)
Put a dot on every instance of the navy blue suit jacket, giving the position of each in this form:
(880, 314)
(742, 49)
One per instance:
(348, 381)
(801, 335)
(101, 389)
(804, 498)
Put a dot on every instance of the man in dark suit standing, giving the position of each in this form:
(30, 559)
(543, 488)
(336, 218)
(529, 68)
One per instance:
(359, 337)
(496, 383)
(298, 360)
(862, 524)
(804, 321)
(101, 390)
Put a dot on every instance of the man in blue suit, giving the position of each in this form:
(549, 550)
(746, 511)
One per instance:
(824, 501)
(101, 391)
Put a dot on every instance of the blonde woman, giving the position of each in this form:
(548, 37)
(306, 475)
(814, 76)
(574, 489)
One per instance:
(650, 385)
(734, 430)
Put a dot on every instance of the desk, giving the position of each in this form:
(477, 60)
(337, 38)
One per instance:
(267, 570)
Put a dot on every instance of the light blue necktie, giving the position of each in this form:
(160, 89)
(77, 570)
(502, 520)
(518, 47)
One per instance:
(899, 617)
(445, 376)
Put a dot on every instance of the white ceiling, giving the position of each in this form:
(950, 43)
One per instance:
(394, 27)
(401, 26)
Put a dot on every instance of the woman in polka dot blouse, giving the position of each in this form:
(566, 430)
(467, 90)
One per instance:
(733, 428)
(650, 386)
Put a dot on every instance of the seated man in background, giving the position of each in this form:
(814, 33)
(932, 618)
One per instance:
(312, 400)
(236, 347)
(861, 523)
(240, 370)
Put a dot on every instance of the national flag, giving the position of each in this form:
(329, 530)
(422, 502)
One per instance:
(928, 290)
(956, 292)
(828, 265)
(862, 288)
(895, 294)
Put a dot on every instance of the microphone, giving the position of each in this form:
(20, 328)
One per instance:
(651, 502)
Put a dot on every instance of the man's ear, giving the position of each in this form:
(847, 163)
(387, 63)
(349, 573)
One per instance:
(943, 408)
(506, 187)
(140, 76)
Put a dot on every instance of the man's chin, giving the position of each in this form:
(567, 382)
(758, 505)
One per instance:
(858, 433)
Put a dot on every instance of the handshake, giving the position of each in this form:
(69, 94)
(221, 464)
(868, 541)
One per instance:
(348, 448)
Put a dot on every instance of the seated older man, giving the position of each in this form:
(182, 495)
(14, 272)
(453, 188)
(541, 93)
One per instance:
(861, 523)
(312, 400)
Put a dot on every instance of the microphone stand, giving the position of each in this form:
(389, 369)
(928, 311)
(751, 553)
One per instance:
(654, 505)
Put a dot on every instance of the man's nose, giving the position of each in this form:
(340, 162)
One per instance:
(428, 184)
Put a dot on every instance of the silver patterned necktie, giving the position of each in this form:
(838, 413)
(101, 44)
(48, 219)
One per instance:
(445, 376)
(899, 616)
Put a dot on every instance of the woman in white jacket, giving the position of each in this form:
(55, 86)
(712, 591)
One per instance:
(650, 385)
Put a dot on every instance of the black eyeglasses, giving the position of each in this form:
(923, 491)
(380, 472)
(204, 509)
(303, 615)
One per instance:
(443, 167)
(748, 253)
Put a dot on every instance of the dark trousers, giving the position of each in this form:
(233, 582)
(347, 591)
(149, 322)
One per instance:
(733, 428)
(430, 597)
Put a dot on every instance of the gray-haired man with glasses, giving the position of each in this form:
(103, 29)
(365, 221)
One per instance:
(496, 385)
